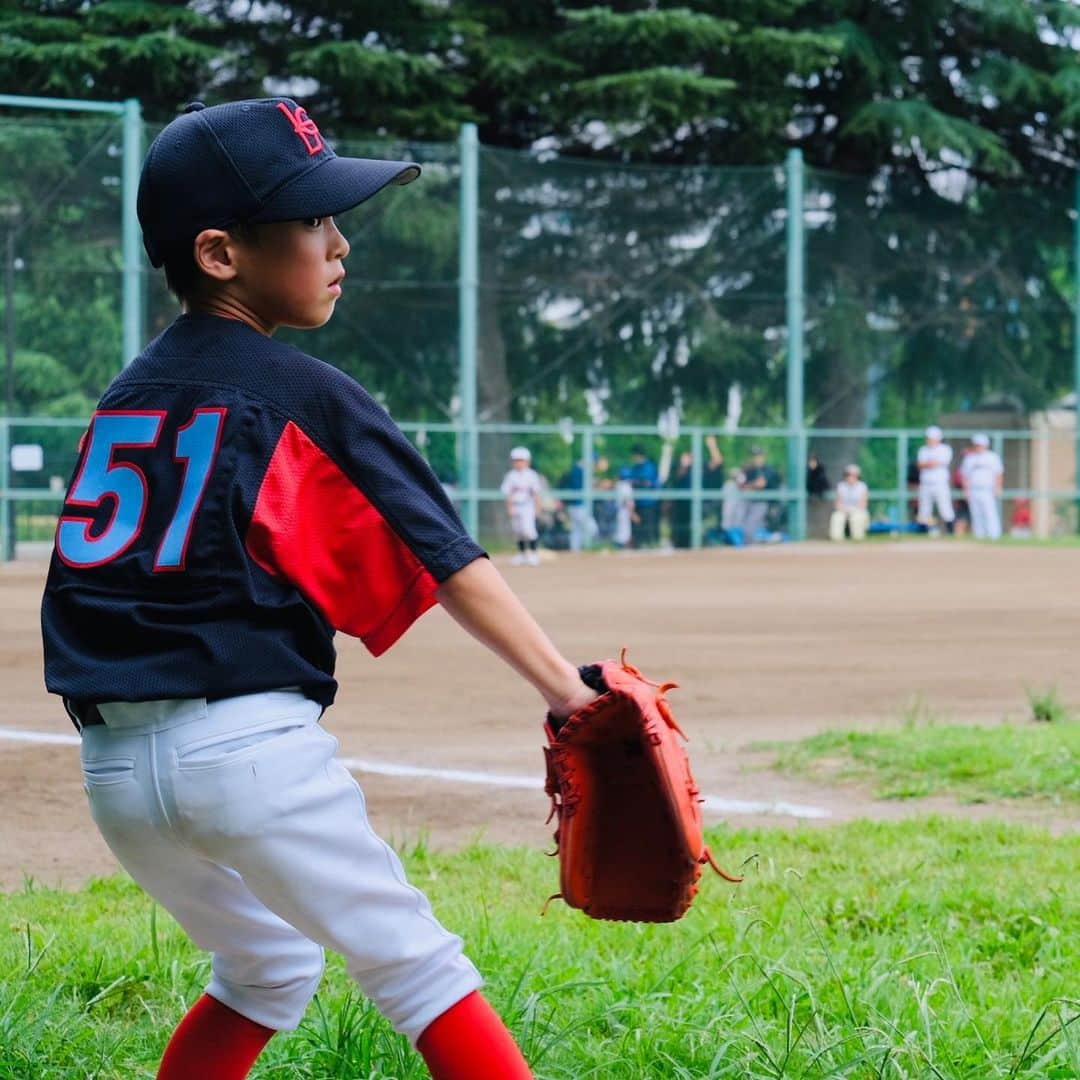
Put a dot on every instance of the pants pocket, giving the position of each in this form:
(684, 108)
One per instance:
(106, 771)
(227, 747)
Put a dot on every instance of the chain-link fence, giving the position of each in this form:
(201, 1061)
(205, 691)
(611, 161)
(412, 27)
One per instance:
(606, 295)
(626, 486)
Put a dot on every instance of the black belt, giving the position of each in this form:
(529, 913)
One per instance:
(83, 714)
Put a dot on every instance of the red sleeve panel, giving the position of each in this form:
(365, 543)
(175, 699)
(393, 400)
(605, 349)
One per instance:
(313, 526)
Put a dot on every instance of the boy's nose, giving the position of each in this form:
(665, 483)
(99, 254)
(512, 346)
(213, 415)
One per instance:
(339, 246)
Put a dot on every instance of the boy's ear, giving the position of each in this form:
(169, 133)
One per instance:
(214, 254)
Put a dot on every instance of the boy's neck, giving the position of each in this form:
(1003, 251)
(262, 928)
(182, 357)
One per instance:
(227, 307)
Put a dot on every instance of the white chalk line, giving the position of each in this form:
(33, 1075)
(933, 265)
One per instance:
(714, 803)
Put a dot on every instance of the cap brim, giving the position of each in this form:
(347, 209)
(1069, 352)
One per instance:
(337, 185)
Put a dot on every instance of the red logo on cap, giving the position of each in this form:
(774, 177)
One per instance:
(304, 126)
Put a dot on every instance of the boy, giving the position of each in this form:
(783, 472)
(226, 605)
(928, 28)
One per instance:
(521, 489)
(982, 474)
(933, 460)
(625, 514)
(235, 502)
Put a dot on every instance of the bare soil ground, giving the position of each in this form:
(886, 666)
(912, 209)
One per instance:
(768, 643)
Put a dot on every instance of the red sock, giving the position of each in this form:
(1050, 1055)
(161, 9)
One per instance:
(213, 1042)
(470, 1042)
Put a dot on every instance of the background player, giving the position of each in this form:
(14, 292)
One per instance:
(983, 473)
(850, 511)
(521, 486)
(235, 502)
(933, 462)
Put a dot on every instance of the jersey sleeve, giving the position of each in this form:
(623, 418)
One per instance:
(507, 485)
(352, 515)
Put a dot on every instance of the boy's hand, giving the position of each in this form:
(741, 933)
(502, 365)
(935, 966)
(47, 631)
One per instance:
(577, 697)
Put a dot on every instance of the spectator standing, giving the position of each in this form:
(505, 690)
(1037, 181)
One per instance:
(582, 525)
(645, 476)
(818, 507)
(817, 481)
(933, 462)
(760, 476)
(983, 476)
(679, 510)
(521, 488)
(731, 506)
(603, 509)
(851, 513)
(713, 478)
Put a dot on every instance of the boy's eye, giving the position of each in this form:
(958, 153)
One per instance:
(313, 222)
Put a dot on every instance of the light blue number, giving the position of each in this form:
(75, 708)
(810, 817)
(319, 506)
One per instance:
(101, 478)
(196, 445)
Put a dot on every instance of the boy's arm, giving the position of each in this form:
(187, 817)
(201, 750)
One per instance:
(481, 602)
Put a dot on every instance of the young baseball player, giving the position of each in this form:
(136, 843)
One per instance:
(982, 474)
(234, 503)
(521, 489)
(625, 514)
(933, 460)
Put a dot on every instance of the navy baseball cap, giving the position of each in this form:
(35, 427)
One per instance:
(248, 161)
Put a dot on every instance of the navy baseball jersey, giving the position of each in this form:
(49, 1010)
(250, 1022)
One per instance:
(235, 502)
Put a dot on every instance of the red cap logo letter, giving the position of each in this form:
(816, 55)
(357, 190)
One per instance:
(304, 127)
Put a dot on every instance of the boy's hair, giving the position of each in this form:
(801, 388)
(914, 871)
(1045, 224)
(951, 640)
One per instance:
(183, 276)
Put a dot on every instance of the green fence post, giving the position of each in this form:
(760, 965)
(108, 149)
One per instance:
(587, 477)
(901, 477)
(1076, 340)
(796, 406)
(468, 284)
(6, 538)
(697, 446)
(134, 323)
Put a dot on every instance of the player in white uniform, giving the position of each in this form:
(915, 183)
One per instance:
(982, 473)
(850, 508)
(521, 488)
(934, 460)
(625, 514)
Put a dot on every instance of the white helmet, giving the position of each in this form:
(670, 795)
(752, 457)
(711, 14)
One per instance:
(520, 453)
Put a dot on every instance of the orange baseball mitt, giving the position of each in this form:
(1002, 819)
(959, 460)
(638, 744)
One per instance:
(629, 834)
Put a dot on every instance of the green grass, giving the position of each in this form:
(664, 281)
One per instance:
(933, 948)
(975, 764)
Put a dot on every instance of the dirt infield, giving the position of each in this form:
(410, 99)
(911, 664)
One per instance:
(767, 643)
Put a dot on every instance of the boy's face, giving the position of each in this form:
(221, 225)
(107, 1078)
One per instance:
(290, 273)
(520, 463)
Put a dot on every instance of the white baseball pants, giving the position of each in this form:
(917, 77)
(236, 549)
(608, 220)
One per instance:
(937, 496)
(236, 817)
(985, 519)
(858, 521)
(523, 522)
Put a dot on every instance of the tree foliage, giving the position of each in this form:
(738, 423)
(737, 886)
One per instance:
(941, 137)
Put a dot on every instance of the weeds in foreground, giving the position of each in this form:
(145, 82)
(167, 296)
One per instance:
(894, 951)
(1046, 707)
